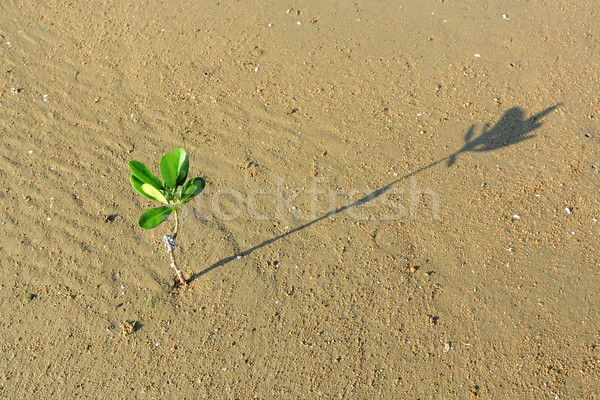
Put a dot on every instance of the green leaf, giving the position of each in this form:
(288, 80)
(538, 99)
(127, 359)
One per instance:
(183, 163)
(191, 189)
(153, 217)
(147, 190)
(174, 168)
(143, 174)
(168, 170)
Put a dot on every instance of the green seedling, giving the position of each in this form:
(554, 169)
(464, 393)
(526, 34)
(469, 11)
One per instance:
(174, 191)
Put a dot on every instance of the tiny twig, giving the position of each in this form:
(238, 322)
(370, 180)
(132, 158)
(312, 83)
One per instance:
(170, 244)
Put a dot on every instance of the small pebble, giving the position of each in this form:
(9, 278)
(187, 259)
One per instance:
(567, 210)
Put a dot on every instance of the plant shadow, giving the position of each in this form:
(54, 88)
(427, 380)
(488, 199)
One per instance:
(511, 129)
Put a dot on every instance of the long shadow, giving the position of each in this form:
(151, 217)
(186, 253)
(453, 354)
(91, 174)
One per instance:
(511, 129)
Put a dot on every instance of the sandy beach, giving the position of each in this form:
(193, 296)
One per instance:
(402, 199)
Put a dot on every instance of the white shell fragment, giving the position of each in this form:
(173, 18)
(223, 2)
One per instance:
(447, 347)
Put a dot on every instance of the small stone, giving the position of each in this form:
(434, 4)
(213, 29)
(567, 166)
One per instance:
(127, 328)
(30, 296)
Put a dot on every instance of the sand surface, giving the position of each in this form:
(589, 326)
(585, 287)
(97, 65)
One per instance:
(402, 199)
